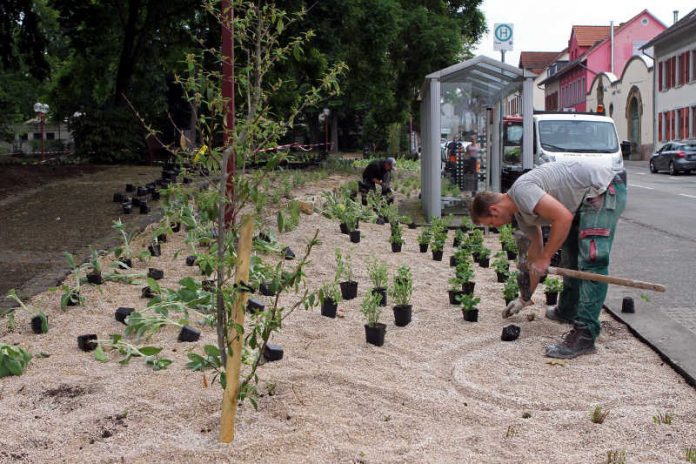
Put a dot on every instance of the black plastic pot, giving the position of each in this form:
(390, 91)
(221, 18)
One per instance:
(423, 247)
(396, 247)
(456, 242)
(74, 301)
(511, 255)
(87, 342)
(349, 289)
(343, 227)
(187, 180)
(155, 249)
(380, 221)
(254, 306)
(383, 293)
(122, 313)
(266, 289)
(191, 260)
(130, 187)
(154, 273)
(144, 208)
(147, 292)
(142, 191)
(412, 225)
(551, 298)
(95, 278)
(475, 257)
(37, 325)
(355, 236)
(161, 238)
(127, 208)
(453, 294)
(189, 334)
(328, 308)
(402, 315)
(627, 305)
(510, 333)
(118, 197)
(135, 202)
(468, 287)
(437, 255)
(176, 227)
(375, 334)
(502, 276)
(484, 262)
(126, 262)
(453, 261)
(288, 254)
(272, 352)
(471, 315)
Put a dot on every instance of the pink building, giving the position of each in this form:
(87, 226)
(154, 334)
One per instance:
(591, 49)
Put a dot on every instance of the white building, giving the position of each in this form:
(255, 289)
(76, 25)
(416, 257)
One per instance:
(674, 81)
(628, 100)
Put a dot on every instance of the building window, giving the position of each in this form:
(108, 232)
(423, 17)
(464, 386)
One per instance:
(660, 65)
(673, 71)
(660, 137)
(693, 67)
(50, 135)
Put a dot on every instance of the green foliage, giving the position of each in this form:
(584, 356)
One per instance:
(553, 285)
(210, 360)
(464, 271)
(468, 302)
(344, 267)
(289, 218)
(109, 135)
(662, 418)
(511, 289)
(371, 309)
(144, 325)
(331, 291)
(396, 236)
(71, 293)
(500, 263)
(598, 415)
(128, 351)
(13, 360)
(425, 236)
(377, 271)
(124, 250)
(402, 287)
(690, 455)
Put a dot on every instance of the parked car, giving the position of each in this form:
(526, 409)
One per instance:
(675, 157)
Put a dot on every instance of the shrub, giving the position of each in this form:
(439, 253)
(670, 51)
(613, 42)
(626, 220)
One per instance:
(109, 135)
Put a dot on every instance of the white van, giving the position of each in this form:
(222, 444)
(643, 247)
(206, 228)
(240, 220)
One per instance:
(585, 137)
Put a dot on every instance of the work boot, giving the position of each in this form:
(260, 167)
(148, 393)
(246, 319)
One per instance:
(577, 342)
(552, 313)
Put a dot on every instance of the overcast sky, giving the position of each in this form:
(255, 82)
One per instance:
(544, 25)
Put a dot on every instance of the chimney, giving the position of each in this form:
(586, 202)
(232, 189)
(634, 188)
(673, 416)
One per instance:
(676, 15)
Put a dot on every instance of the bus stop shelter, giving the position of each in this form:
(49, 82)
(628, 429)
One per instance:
(477, 87)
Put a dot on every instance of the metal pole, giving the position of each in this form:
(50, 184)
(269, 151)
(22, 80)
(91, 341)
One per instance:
(228, 96)
(502, 56)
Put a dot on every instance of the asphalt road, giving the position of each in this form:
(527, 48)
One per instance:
(656, 241)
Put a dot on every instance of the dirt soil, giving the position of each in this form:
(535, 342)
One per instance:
(440, 390)
(47, 210)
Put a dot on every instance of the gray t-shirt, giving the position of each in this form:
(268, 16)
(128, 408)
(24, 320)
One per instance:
(569, 182)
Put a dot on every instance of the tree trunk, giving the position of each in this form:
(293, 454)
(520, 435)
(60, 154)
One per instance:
(126, 60)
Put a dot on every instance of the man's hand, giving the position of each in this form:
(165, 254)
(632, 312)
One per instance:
(515, 306)
(540, 265)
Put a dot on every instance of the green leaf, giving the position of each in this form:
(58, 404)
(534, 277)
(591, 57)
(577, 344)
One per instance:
(13, 366)
(149, 350)
(99, 354)
(212, 350)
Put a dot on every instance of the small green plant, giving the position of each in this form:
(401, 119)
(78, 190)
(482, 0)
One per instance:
(510, 245)
(344, 267)
(469, 302)
(396, 237)
(94, 264)
(424, 236)
(71, 293)
(150, 354)
(483, 252)
(402, 287)
(690, 455)
(144, 325)
(511, 289)
(124, 250)
(12, 295)
(662, 418)
(288, 219)
(13, 360)
(377, 271)
(616, 457)
(371, 309)
(500, 263)
(211, 360)
(553, 285)
(598, 415)
(467, 225)
(505, 233)
(330, 291)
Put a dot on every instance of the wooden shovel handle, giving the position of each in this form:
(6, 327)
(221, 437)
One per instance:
(584, 275)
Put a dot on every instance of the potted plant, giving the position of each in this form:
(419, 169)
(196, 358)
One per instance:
(401, 292)
(462, 253)
(469, 309)
(329, 297)
(424, 239)
(396, 239)
(377, 271)
(371, 309)
(553, 286)
(465, 273)
(484, 256)
(511, 290)
(459, 238)
(467, 225)
(95, 275)
(39, 321)
(455, 290)
(501, 266)
(123, 253)
(510, 247)
(351, 222)
(344, 270)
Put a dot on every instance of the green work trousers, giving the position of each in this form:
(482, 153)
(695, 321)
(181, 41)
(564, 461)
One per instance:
(587, 248)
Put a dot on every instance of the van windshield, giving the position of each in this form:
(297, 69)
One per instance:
(578, 136)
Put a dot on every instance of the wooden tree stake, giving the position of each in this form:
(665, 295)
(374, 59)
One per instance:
(234, 361)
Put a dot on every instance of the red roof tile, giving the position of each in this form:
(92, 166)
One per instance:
(536, 62)
(589, 35)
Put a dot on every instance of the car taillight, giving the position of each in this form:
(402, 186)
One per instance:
(681, 154)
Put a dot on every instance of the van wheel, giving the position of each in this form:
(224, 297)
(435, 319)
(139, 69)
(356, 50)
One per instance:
(653, 169)
(672, 171)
